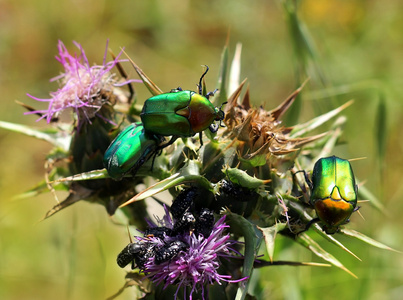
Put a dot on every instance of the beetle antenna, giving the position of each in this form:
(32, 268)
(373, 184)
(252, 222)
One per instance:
(201, 79)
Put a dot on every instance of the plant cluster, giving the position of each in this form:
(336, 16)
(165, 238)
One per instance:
(233, 194)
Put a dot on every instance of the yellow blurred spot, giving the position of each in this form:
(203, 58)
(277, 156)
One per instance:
(334, 12)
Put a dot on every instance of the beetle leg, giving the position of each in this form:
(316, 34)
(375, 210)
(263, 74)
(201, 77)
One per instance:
(212, 94)
(201, 138)
(357, 208)
(171, 141)
(307, 180)
(309, 224)
(178, 89)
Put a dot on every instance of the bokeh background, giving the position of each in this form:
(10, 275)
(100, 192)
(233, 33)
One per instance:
(350, 49)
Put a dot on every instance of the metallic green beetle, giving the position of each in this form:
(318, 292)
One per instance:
(129, 150)
(181, 113)
(334, 192)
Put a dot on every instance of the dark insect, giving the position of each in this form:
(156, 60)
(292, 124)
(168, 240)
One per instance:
(169, 251)
(158, 232)
(127, 254)
(183, 203)
(204, 223)
(237, 198)
(237, 192)
(138, 252)
(184, 224)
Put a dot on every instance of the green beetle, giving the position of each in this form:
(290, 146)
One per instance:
(333, 192)
(181, 113)
(129, 150)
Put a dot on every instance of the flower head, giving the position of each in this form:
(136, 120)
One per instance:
(262, 139)
(186, 259)
(82, 87)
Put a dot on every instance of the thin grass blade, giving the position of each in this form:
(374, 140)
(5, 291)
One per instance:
(310, 244)
(366, 239)
(301, 129)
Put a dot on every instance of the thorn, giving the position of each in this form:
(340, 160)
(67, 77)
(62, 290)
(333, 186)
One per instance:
(361, 215)
(362, 183)
(357, 158)
(128, 232)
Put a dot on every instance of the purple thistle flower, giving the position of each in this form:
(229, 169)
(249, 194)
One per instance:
(196, 265)
(82, 87)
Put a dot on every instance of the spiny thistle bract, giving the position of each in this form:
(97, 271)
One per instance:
(246, 174)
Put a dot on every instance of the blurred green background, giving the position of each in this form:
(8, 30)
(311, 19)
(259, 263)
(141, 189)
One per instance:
(349, 49)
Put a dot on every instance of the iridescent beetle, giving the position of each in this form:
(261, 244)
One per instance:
(130, 150)
(333, 192)
(181, 113)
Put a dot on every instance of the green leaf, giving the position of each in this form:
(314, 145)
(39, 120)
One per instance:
(170, 182)
(252, 242)
(304, 46)
(242, 178)
(331, 239)
(54, 137)
(40, 188)
(362, 237)
(310, 244)
(269, 235)
(91, 175)
(331, 142)
(222, 76)
(364, 193)
(235, 71)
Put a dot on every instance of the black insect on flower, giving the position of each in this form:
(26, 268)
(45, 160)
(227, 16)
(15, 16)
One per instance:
(169, 251)
(183, 202)
(185, 224)
(159, 232)
(204, 223)
(186, 258)
(139, 252)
